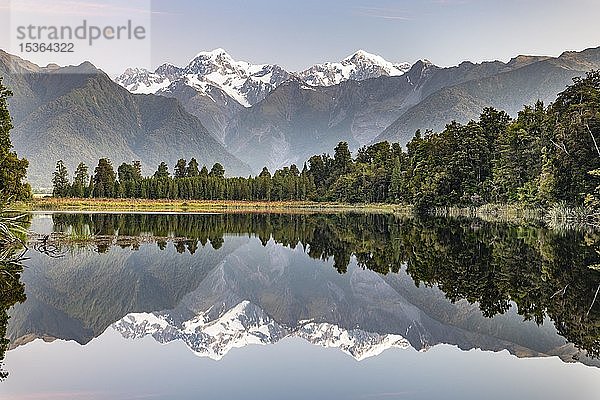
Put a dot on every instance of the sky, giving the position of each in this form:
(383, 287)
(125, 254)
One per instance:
(297, 34)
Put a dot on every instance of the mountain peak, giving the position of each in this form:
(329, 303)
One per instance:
(359, 66)
(213, 54)
(364, 55)
(245, 324)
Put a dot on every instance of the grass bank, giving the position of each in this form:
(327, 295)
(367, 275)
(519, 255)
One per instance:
(510, 213)
(554, 217)
(144, 205)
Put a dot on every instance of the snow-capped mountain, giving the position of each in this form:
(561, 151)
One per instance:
(249, 83)
(246, 83)
(142, 81)
(247, 324)
(216, 88)
(359, 66)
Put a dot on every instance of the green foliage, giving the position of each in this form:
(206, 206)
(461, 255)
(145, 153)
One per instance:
(104, 179)
(80, 181)
(12, 168)
(544, 156)
(217, 171)
(192, 168)
(12, 291)
(546, 275)
(162, 172)
(181, 168)
(60, 180)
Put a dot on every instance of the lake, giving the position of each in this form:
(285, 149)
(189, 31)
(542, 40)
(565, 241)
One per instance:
(299, 306)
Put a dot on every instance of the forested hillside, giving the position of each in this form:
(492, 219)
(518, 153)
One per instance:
(545, 155)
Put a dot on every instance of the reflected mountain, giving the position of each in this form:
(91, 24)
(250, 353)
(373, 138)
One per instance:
(247, 324)
(358, 282)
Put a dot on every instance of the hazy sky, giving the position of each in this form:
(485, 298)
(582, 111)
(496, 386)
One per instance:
(296, 34)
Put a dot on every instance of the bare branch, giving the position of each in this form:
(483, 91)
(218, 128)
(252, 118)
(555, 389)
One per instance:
(560, 147)
(593, 138)
(592, 305)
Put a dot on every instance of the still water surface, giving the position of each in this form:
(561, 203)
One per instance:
(269, 306)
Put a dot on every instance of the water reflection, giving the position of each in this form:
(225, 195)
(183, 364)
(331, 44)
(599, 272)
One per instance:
(222, 281)
(12, 290)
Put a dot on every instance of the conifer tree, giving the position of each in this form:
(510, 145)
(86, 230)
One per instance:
(192, 168)
(217, 171)
(80, 180)
(104, 179)
(162, 172)
(12, 168)
(204, 172)
(180, 169)
(60, 180)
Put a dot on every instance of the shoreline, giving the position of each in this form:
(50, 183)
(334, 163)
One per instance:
(553, 217)
(74, 205)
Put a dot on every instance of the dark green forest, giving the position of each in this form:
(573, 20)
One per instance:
(546, 155)
(12, 168)
(12, 228)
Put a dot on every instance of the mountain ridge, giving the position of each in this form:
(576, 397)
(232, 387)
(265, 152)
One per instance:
(78, 114)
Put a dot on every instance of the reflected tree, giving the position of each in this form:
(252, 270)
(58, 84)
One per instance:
(545, 274)
(12, 291)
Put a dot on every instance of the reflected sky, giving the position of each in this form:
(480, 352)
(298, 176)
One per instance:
(111, 367)
(127, 312)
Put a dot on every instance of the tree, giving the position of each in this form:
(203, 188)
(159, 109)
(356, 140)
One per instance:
(104, 179)
(204, 172)
(192, 168)
(80, 180)
(574, 120)
(137, 165)
(264, 184)
(342, 158)
(162, 172)
(127, 172)
(181, 169)
(217, 171)
(60, 181)
(396, 181)
(12, 168)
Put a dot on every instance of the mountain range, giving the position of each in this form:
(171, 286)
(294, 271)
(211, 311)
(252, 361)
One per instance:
(362, 99)
(250, 292)
(78, 114)
(247, 324)
(252, 115)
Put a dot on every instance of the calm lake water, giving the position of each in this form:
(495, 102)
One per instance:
(269, 306)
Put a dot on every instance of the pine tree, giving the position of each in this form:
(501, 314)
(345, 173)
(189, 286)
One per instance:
(181, 169)
(162, 172)
(80, 180)
(137, 166)
(396, 181)
(204, 172)
(342, 158)
(217, 171)
(12, 168)
(60, 181)
(192, 168)
(104, 179)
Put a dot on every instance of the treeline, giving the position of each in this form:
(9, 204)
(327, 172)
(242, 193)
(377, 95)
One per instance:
(12, 168)
(187, 183)
(545, 155)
